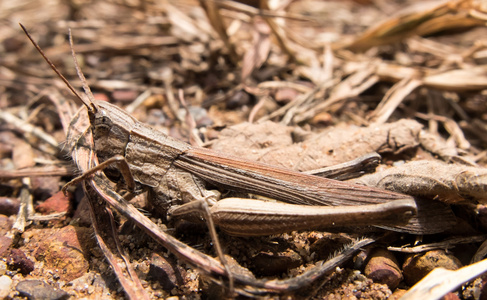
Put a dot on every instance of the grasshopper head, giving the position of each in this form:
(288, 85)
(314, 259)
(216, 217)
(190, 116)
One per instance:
(111, 128)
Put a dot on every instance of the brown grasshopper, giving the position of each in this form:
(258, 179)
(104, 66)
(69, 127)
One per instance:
(175, 175)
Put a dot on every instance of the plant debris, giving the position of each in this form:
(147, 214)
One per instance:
(301, 84)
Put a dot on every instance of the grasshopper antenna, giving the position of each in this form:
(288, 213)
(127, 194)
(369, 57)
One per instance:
(81, 76)
(91, 106)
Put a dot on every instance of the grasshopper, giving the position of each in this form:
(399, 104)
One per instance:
(176, 177)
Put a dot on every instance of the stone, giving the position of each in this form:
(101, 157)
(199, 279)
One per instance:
(65, 251)
(419, 265)
(17, 260)
(37, 290)
(5, 284)
(383, 268)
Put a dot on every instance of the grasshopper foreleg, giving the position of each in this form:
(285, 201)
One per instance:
(192, 187)
(123, 168)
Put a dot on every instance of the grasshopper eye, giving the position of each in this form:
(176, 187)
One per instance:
(102, 118)
(102, 124)
(105, 120)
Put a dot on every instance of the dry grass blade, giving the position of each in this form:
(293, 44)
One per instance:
(26, 209)
(256, 56)
(446, 244)
(458, 80)
(424, 20)
(392, 99)
(216, 20)
(28, 128)
(278, 32)
(441, 281)
(35, 172)
(348, 88)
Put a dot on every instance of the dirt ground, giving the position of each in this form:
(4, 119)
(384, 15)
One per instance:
(300, 85)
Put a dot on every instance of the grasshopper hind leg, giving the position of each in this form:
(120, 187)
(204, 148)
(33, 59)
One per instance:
(196, 201)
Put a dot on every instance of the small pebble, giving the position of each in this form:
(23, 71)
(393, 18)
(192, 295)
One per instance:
(5, 283)
(17, 260)
(55, 204)
(419, 265)
(9, 206)
(37, 290)
(383, 268)
(323, 118)
(164, 271)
